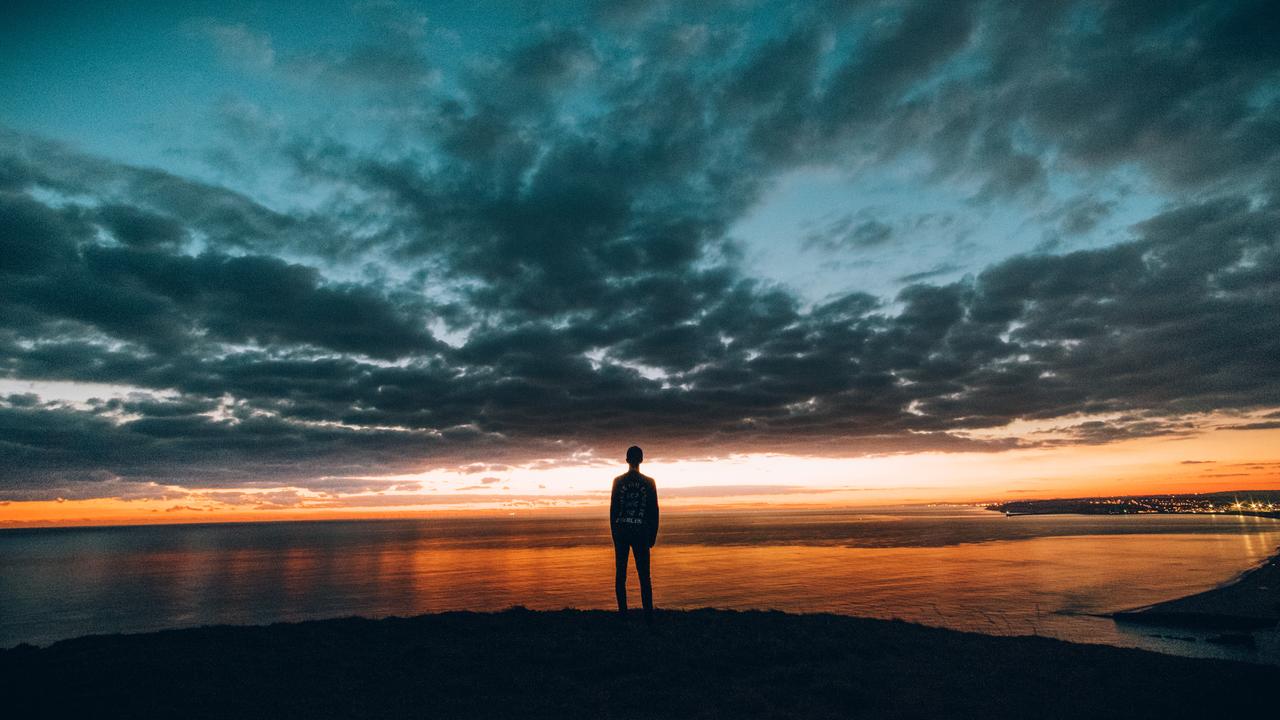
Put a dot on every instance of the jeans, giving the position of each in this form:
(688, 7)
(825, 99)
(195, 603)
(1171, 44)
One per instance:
(640, 548)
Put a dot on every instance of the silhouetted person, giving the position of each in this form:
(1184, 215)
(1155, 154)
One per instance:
(633, 519)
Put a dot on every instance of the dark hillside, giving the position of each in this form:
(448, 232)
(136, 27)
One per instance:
(523, 664)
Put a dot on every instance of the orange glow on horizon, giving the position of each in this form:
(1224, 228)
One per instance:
(1214, 461)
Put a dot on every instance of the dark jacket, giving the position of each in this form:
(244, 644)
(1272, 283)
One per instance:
(633, 508)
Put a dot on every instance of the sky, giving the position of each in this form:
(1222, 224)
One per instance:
(266, 260)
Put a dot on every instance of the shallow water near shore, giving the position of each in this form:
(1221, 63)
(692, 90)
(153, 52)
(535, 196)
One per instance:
(962, 568)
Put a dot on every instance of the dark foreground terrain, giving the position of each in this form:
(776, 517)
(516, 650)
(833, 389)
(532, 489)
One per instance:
(523, 664)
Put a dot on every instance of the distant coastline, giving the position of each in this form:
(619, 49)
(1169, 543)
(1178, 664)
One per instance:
(1257, 503)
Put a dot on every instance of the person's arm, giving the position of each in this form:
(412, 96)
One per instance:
(653, 513)
(613, 510)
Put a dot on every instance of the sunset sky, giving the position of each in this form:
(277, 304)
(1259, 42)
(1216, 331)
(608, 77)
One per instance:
(331, 259)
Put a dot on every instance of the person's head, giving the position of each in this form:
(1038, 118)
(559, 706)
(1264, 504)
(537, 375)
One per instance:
(635, 455)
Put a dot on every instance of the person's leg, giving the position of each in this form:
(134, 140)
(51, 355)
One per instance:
(642, 569)
(620, 550)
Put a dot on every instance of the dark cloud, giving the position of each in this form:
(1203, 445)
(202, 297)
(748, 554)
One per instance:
(550, 63)
(1268, 425)
(1161, 84)
(139, 228)
(897, 55)
(849, 233)
(164, 300)
(936, 271)
(1097, 432)
(549, 272)
(1082, 214)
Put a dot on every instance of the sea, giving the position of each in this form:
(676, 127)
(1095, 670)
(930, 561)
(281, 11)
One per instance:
(958, 567)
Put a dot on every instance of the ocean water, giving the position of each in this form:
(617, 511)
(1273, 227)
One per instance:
(963, 568)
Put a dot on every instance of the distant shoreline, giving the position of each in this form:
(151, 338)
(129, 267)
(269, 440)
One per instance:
(1257, 503)
(1273, 515)
(567, 664)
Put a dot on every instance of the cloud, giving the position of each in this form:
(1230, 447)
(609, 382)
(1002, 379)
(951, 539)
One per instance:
(388, 51)
(388, 62)
(736, 365)
(1082, 214)
(1268, 425)
(936, 271)
(239, 45)
(716, 491)
(848, 232)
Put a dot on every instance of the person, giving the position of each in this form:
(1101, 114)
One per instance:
(633, 521)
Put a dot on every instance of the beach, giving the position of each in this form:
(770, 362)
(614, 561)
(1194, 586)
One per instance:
(703, 663)
(1250, 602)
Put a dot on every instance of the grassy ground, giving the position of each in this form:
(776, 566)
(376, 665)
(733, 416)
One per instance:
(523, 664)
